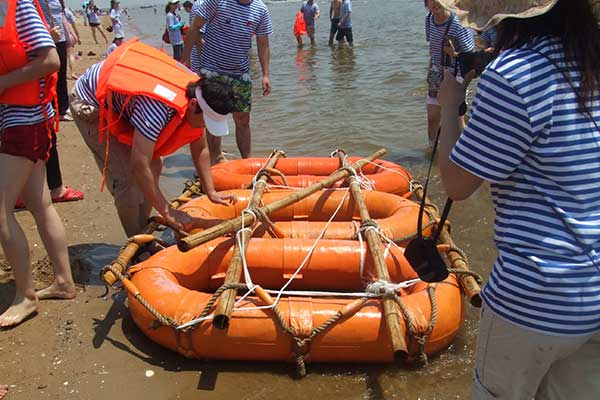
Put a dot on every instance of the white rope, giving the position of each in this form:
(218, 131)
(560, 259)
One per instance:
(304, 261)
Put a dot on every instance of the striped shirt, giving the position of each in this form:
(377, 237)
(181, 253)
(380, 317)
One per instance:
(33, 33)
(149, 116)
(489, 37)
(53, 16)
(542, 157)
(195, 55)
(434, 33)
(228, 39)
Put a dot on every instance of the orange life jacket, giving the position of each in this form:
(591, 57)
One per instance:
(136, 69)
(13, 55)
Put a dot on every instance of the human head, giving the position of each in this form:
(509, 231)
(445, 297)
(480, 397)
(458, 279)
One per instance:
(187, 6)
(118, 39)
(115, 4)
(172, 5)
(435, 7)
(574, 22)
(209, 103)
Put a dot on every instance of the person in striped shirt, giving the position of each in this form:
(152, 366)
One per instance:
(24, 147)
(534, 135)
(197, 47)
(446, 37)
(224, 58)
(131, 172)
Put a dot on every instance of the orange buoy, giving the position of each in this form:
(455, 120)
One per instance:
(384, 176)
(395, 215)
(178, 286)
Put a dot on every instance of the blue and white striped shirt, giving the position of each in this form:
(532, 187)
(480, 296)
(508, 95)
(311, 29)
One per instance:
(541, 154)
(228, 39)
(434, 33)
(195, 54)
(33, 33)
(148, 115)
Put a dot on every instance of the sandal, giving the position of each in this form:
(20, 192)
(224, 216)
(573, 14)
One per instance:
(20, 204)
(70, 194)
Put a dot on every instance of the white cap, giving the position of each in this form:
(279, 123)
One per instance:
(215, 123)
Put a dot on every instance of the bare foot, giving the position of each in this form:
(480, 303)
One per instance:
(3, 391)
(17, 313)
(57, 291)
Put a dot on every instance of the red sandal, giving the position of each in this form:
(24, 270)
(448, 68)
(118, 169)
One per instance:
(70, 194)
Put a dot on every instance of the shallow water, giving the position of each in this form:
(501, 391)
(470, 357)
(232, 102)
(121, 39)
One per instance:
(359, 100)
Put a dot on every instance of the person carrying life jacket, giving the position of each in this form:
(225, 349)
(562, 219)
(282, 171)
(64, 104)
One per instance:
(137, 106)
(28, 65)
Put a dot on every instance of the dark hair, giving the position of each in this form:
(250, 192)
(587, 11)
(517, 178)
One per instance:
(188, 3)
(574, 22)
(218, 95)
(112, 4)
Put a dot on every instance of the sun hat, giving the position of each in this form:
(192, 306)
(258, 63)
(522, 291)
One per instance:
(215, 123)
(173, 2)
(119, 36)
(484, 14)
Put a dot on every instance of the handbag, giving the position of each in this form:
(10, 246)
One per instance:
(165, 37)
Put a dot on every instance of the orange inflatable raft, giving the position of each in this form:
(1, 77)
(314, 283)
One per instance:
(395, 215)
(383, 176)
(180, 287)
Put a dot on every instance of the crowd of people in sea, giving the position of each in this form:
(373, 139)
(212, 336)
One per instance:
(532, 134)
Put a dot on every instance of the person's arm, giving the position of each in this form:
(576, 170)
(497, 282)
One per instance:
(343, 20)
(192, 37)
(173, 23)
(458, 182)
(140, 162)
(74, 25)
(201, 159)
(264, 56)
(318, 14)
(44, 61)
(331, 10)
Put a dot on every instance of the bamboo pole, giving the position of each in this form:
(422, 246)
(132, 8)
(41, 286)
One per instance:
(234, 224)
(467, 283)
(133, 246)
(390, 309)
(234, 270)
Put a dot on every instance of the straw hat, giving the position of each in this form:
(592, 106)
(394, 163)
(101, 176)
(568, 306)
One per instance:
(483, 14)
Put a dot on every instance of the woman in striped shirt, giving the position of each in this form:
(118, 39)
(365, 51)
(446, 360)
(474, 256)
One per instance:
(534, 135)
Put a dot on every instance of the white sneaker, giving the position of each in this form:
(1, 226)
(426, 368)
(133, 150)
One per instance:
(66, 116)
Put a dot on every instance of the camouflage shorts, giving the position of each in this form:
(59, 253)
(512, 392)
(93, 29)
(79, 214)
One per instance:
(241, 86)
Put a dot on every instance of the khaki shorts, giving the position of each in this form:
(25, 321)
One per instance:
(515, 363)
(119, 181)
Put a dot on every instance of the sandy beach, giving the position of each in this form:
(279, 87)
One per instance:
(89, 348)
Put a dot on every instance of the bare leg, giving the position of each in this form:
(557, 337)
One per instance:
(331, 39)
(102, 33)
(214, 146)
(242, 133)
(52, 231)
(14, 172)
(94, 35)
(433, 121)
(299, 40)
(3, 391)
(311, 35)
(71, 58)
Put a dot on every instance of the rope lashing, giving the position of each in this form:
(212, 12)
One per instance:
(412, 331)
(160, 319)
(194, 187)
(459, 272)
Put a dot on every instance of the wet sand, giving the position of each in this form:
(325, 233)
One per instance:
(89, 348)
